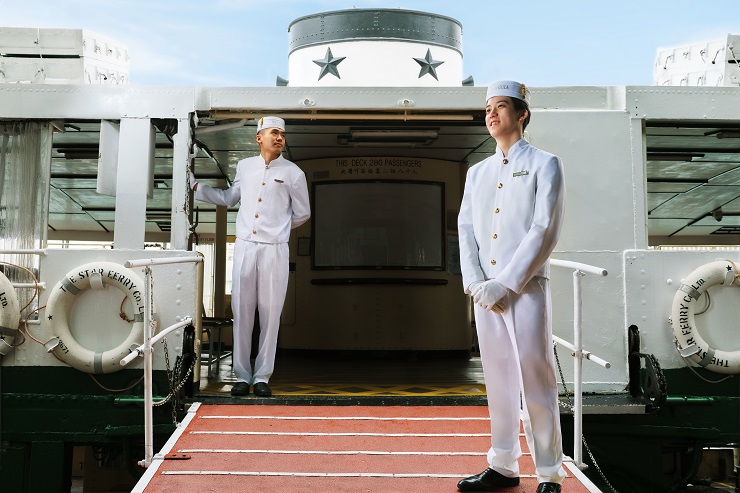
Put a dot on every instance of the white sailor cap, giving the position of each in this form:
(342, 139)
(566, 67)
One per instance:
(270, 122)
(508, 88)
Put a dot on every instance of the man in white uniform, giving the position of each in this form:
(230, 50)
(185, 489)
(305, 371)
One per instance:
(509, 223)
(274, 199)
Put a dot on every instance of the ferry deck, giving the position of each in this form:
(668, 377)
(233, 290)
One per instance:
(404, 422)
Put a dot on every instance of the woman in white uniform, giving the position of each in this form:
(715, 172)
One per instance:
(509, 223)
(274, 199)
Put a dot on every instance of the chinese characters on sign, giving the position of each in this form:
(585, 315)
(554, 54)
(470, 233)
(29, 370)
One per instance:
(378, 166)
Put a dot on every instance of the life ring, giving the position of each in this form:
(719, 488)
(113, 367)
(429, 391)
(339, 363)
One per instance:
(689, 340)
(10, 315)
(64, 295)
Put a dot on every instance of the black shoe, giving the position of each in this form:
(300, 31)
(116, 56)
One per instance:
(261, 389)
(239, 389)
(548, 488)
(487, 481)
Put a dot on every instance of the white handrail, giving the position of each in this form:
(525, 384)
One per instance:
(155, 261)
(146, 349)
(588, 269)
(579, 270)
(139, 351)
(586, 354)
(24, 251)
(41, 285)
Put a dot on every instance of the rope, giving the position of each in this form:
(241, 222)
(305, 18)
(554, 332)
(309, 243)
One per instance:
(116, 390)
(122, 314)
(734, 268)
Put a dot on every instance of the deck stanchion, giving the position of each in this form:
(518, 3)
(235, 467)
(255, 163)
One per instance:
(577, 368)
(578, 352)
(146, 349)
(148, 363)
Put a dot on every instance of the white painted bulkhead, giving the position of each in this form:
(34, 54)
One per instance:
(653, 277)
(598, 132)
(94, 319)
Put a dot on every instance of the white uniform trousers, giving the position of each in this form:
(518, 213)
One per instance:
(259, 280)
(517, 357)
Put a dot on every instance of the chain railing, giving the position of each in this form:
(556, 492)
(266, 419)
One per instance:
(579, 354)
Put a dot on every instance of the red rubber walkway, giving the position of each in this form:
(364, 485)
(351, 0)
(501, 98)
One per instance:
(286, 449)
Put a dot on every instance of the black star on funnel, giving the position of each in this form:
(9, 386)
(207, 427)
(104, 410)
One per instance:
(428, 65)
(329, 64)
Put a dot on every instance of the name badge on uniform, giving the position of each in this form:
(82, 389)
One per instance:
(279, 181)
(520, 173)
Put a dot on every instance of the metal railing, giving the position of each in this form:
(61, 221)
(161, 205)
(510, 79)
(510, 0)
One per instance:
(579, 270)
(28, 285)
(146, 350)
(27, 251)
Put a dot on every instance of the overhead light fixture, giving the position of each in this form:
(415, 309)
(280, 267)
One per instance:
(393, 134)
(219, 126)
(673, 156)
(397, 144)
(389, 138)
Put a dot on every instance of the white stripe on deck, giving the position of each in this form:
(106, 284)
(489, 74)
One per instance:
(322, 474)
(346, 418)
(316, 434)
(158, 459)
(322, 452)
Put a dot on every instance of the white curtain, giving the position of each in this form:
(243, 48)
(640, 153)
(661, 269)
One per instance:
(25, 163)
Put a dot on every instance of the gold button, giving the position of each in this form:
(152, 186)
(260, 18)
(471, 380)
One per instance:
(493, 262)
(501, 185)
(505, 161)
(254, 231)
(256, 215)
(267, 167)
(494, 236)
(263, 182)
(259, 199)
(496, 210)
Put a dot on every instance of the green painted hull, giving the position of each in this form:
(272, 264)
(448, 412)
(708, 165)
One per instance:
(45, 412)
(661, 451)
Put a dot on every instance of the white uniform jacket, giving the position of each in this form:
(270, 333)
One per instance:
(274, 199)
(510, 217)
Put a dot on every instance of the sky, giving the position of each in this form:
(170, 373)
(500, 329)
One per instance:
(245, 42)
